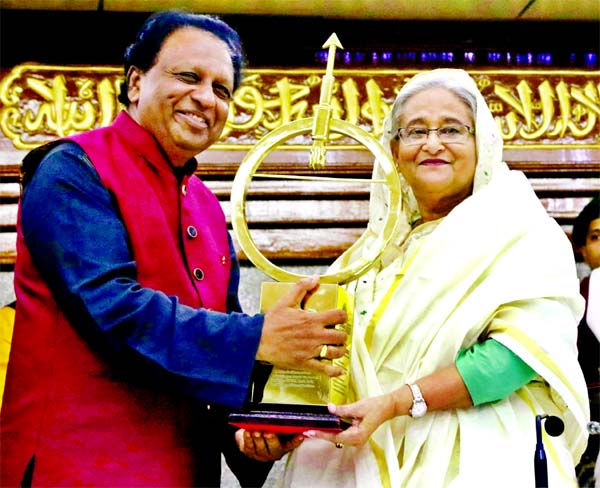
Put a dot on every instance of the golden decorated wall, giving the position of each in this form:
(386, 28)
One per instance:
(542, 109)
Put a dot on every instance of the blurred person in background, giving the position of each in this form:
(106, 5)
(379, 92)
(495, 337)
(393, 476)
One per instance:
(586, 242)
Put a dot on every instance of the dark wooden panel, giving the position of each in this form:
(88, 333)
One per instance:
(302, 244)
(303, 212)
(318, 219)
(262, 188)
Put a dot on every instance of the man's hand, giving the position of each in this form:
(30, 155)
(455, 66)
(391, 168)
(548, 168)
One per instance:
(293, 338)
(266, 446)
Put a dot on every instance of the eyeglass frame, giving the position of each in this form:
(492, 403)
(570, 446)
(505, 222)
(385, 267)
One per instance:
(470, 130)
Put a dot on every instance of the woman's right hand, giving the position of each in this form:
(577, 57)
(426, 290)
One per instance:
(443, 389)
(366, 416)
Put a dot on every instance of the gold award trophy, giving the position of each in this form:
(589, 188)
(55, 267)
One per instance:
(296, 400)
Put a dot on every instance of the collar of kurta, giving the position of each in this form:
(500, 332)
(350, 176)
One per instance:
(148, 147)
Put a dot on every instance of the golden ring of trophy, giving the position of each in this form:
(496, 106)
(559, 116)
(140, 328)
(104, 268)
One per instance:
(252, 161)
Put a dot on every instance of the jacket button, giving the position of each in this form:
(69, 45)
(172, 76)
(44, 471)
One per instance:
(198, 274)
(183, 190)
(192, 232)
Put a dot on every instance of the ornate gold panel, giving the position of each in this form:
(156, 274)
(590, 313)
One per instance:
(533, 108)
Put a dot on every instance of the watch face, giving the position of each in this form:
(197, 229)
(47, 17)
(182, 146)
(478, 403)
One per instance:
(419, 409)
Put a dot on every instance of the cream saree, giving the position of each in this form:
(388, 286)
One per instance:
(497, 266)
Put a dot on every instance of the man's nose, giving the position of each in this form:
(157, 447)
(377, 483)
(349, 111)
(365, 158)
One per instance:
(204, 94)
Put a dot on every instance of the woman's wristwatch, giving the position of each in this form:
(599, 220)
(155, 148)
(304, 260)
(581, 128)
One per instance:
(419, 407)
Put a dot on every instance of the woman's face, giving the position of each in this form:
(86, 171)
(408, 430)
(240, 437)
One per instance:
(440, 174)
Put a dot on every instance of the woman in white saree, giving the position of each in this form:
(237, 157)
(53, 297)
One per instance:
(476, 303)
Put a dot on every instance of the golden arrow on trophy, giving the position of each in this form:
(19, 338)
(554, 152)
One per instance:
(320, 130)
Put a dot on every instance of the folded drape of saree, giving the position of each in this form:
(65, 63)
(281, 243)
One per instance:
(497, 266)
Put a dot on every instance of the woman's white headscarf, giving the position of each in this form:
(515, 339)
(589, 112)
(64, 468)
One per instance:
(489, 147)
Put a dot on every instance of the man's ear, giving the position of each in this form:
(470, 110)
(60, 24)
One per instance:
(133, 84)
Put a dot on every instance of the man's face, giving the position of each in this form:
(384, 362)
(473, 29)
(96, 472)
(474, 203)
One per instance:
(591, 250)
(183, 100)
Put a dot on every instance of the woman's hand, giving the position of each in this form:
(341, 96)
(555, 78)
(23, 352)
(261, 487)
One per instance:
(367, 415)
(442, 390)
(266, 446)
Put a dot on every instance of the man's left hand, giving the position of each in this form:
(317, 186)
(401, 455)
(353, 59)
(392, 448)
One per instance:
(266, 446)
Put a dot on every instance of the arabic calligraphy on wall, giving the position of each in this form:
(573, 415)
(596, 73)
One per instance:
(531, 107)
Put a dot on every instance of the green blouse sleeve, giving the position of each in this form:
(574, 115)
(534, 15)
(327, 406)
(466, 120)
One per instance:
(491, 371)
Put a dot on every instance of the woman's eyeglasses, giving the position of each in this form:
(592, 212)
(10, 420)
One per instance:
(448, 134)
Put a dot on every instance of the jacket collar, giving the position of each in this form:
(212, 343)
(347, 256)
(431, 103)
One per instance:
(148, 147)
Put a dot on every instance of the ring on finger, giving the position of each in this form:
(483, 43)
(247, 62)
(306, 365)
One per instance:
(339, 445)
(323, 352)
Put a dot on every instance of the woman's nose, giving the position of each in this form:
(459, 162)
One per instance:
(433, 143)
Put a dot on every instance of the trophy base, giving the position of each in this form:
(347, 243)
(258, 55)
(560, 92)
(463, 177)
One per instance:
(288, 418)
